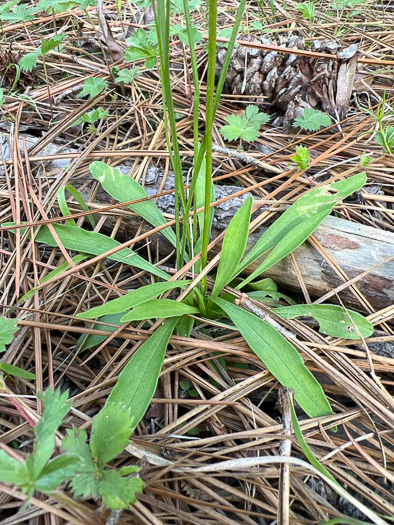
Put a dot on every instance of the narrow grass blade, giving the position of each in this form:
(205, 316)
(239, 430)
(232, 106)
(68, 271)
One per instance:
(234, 244)
(200, 197)
(333, 320)
(159, 309)
(138, 381)
(280, 357)
(15, 371)
(61, 199)
(132, 299)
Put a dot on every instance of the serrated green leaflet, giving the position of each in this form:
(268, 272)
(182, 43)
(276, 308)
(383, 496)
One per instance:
(140, 48)
(56, 471)
(124, 188)
(132, 299)
(159, 309)
(75, 443)
(138, 381)
(12, 470)
(93, 87)
(56, 409)
(333, 320)
(234, 244)
(280, 357)
(312, 120)
(51, 43)
(119, 492)
(297, 223)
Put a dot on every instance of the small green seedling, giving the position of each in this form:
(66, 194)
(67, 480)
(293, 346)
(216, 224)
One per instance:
(312, 120)
(365, 160)
(29, 61)
(93, 87)
(308, 11)
(140, 48)
(125, 76)
(385, 138)
(246, 126)
(302, 158)
(91, 118)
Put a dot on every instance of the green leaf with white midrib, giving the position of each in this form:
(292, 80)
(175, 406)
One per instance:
(234, 244)
(123, 189)
(132, 299)
(280, 357)
(333, 320)
(159, 309)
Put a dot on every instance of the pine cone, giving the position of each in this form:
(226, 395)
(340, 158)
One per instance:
(291, 83)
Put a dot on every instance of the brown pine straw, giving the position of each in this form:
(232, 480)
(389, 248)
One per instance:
(235, 411)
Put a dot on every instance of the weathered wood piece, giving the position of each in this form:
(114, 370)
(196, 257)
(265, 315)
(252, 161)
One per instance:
(355, 248)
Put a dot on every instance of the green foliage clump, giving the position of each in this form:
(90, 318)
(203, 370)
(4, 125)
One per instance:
(140, 48)
(82, 463)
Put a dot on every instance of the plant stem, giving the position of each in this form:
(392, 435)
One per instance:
(201, 153)
(210, 114)
(162, 21)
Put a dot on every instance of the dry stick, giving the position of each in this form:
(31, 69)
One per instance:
(245, 158)
(285, 451)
